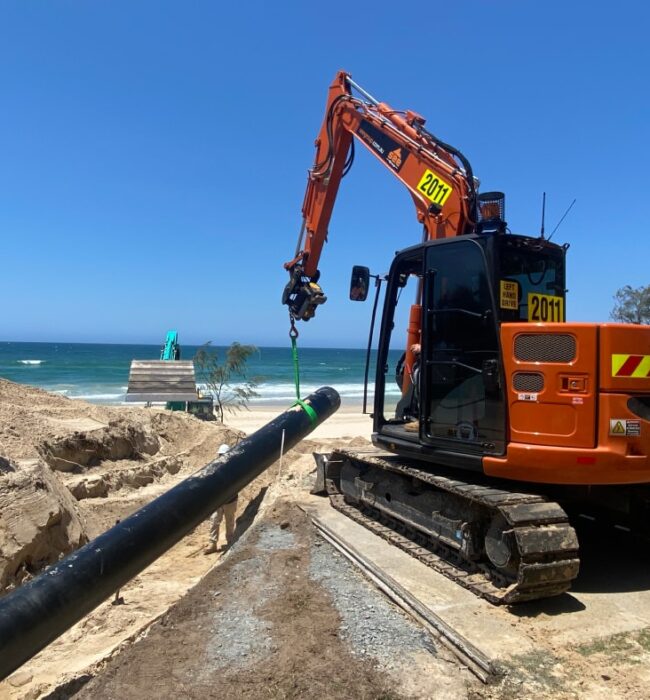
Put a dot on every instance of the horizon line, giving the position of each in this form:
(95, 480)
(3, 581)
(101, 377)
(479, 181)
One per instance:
(197, 345)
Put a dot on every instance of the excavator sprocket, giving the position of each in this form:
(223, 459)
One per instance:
(504, 546)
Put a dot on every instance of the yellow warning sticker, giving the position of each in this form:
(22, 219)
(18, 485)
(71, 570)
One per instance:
(616, 427)
(434, 188)
(509, 296)
(624, 427)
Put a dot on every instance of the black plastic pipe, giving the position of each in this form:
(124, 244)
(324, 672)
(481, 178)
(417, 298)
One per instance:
(39, 611)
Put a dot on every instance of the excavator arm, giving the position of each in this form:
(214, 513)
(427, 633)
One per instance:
(438, 177)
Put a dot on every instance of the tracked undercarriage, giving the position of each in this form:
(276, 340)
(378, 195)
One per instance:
(504, 546)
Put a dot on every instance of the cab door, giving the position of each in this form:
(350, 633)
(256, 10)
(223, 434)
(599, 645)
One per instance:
(462, 407)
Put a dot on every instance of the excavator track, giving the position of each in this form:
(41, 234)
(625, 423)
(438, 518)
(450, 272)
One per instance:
(530, 539)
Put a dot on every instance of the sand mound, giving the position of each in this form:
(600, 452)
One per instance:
(120, 439)
(100, 485)
(40, 520)
(56, 454)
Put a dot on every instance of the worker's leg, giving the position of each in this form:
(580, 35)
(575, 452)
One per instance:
(215, 522)
(230, 510)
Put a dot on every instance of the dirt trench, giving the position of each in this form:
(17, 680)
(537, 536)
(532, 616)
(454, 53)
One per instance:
(69, 470)
(112, 489)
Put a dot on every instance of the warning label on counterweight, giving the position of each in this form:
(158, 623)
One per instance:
(621, 427)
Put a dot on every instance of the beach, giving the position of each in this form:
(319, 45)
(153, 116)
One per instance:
(348, 422)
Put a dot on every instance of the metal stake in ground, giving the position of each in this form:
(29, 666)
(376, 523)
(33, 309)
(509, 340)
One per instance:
(118, 600)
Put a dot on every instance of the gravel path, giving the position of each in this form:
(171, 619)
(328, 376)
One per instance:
(370, 624)
(238, 637)
(284, 615)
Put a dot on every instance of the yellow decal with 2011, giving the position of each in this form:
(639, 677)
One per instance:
(545, 308)
(434, 188)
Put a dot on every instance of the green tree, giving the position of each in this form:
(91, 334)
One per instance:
(227, 381)
(632, 305)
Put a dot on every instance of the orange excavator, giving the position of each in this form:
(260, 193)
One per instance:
(507, 417)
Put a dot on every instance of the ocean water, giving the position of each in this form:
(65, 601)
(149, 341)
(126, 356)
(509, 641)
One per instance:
(99, 373)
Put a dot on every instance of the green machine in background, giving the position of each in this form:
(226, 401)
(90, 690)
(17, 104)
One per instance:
(171, 350)
(203, 406)
(169, 380)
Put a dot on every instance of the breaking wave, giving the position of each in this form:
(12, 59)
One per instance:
(113, 398)
(276, 393)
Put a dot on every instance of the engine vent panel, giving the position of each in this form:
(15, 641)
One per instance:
(551, 374)
(528, 381)
(545, 347)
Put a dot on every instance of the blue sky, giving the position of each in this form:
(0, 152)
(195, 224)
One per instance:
(153, 155)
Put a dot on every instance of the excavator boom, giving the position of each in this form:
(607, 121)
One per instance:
(438, 177)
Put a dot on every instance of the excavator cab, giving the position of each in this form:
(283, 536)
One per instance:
(454, 412)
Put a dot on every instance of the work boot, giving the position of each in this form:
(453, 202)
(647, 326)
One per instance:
(211, 549)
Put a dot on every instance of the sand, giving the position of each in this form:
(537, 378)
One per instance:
(140, 453)
(348, 422)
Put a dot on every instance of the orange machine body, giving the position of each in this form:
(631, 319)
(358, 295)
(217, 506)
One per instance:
(578, 401)
(551, 410)
(577, 395)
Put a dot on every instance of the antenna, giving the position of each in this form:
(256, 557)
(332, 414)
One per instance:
(543, 212)
(562, 219)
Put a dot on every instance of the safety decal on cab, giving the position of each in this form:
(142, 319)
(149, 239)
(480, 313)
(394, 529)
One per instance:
(509, 295)
(635, 366)
(622, 427)
(545, 308)
(434, 188)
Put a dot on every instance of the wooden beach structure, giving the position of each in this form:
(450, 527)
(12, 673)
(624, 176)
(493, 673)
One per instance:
(170, 382)
(153, 381)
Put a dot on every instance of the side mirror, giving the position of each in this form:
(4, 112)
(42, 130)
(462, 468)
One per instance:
(359, 283)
